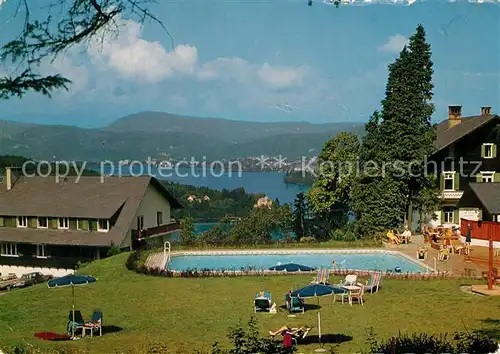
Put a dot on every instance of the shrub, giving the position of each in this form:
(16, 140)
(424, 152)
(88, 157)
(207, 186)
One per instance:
(113, 250)
(250, 342)
(423, 343)
(308, 239)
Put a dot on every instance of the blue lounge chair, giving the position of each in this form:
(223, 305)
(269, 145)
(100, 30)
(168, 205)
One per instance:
(295, 304)
(262, 302)
(72, 325)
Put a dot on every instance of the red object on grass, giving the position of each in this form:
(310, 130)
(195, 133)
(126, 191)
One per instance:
(52, 336)
(287, 340)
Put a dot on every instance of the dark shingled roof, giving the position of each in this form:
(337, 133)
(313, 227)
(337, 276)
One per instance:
(86, 197)
(488, 194)
(446, 136)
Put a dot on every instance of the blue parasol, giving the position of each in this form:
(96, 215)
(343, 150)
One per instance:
(292, 267)
(317, 290)
(71, 280)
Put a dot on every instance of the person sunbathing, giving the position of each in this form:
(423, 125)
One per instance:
(286, 329)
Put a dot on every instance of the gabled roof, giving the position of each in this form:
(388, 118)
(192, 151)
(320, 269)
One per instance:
(84, 197)
(488, 194)
(447, 136)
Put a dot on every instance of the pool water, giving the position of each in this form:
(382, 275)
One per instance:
(348, 260)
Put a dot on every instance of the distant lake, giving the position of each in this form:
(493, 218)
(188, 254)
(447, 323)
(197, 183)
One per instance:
(270, 183)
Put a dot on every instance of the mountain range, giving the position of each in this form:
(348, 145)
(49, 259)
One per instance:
(160, 135)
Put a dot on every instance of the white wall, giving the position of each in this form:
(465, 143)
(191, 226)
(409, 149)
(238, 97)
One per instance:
(470, 214)
(152, 203)
(20, 270)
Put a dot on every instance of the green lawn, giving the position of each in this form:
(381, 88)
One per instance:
(191, 314)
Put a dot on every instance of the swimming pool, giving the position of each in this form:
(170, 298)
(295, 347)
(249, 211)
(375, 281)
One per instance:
(354, 260)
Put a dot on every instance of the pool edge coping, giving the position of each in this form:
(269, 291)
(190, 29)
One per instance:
(306, 251)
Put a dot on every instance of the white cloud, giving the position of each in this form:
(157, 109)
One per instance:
(135, 58)
(281, 77)
(395, 44)
(144, 61)
(66, 66)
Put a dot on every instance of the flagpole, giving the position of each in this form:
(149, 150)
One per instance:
(73, 311)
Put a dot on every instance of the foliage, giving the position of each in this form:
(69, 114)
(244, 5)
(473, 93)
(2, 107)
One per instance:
(344, 234)
(113, 250)
(398, 140)
(187, 235)
(336, 171)
(299, 177)
(423, 343)
(261, 226)
(301, 215)
(250, 342)
(235, 202)
(81, 22)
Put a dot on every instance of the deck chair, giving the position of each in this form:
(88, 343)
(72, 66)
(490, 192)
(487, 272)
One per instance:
(374, 283)
(262, 302)
(295, 305)
(320, 277)
(357, 295)
(349, 280)
(325, 276)
(72, 325)
(95, 324)
(300, 334)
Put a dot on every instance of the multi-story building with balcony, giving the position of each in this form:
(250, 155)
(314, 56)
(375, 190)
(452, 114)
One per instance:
(50, 226)
(467, 162)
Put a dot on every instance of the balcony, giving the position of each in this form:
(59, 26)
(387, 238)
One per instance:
(155, 231)
(451, 195)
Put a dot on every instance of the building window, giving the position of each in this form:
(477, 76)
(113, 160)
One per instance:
(140, 222)
(102, 225)
(488, 176)
(63, 223)
(8, 250)
(448, 215)
(488, 151)
(22, 221)
(42, 223)
(159, 218)
(41, 251)
(449, 181)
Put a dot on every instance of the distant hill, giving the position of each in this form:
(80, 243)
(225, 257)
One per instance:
(219, 128)
(157, 135)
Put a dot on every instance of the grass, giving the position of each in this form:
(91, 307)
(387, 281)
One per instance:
(192, 313)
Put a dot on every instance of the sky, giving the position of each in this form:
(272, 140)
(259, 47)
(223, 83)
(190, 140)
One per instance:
(266, 60)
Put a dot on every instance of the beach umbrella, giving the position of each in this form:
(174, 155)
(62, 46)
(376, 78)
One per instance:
(71, 280)
(317, 290)
(292, 267)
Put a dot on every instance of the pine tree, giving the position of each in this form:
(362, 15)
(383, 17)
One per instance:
(402, 132)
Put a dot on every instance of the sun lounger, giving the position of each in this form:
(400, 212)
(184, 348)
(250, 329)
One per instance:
(295, 305)
(349, 280)
(374, 283)
(262, 302)
(95, 324)
(299, 335)
(322, 276)
(78, 321)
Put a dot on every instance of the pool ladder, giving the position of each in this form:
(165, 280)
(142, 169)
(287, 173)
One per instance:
(166, 254)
